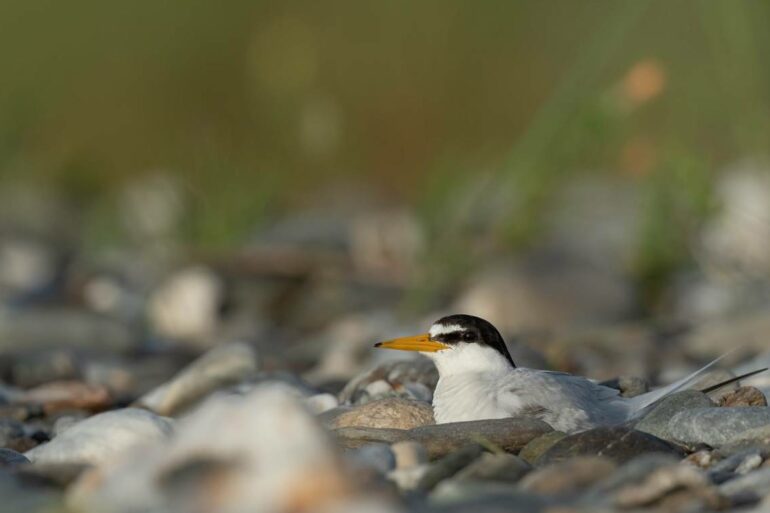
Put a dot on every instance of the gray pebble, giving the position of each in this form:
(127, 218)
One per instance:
(620, 444)
(11, 458)
(377, 456)
(657, 421)
(717, 426)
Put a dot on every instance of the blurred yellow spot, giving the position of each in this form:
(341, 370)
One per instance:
(643, 82)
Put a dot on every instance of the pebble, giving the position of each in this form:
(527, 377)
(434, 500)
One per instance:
(11, 458)
(749, 463)
(657, 421)
(502, 467)
(728, 468)
(392, 412)
(718, 426)
(536, 447)
(744, 396)
(757, 439)
(664, 481)
(186, 306)
(320, 403)
(16, 435)
(448, 466)
(376, 456)
(568, 477)
(632, 473)
(452, 496)
(409, 454)
(748, 488)
(220, 367)
(412, 379)
(103, 437)
(58, 396)
(509, 435)
(617, 443)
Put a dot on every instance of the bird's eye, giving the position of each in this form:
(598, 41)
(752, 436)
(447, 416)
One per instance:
(468, 335)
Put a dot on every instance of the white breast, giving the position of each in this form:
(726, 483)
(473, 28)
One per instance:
(468, 396)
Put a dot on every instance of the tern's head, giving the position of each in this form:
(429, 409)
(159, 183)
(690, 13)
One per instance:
(458, 343)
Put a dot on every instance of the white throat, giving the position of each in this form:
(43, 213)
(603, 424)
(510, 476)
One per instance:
(463, 358)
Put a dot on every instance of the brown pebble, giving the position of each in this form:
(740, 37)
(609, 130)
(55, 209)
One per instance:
(391, 412)
(58, 396)
(744, 396)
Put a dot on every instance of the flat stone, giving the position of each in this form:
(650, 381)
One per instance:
(757, 439)
(222, 366)
(100, 438)
(501, 467)
(391, 412)
(719, 426)
(535, 448)
(620, 444)
(744, 396)
(509, 435)
(354, 437)
(569, 476)
(657, 421)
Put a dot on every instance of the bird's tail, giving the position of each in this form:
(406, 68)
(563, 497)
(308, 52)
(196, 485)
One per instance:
(640, 403)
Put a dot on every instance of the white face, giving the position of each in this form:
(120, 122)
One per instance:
(461, 357)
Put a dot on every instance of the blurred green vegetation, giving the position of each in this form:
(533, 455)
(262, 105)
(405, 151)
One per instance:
(258, 105)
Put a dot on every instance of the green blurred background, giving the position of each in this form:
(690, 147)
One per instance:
(446, 107)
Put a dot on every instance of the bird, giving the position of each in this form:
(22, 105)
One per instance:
(478, 379)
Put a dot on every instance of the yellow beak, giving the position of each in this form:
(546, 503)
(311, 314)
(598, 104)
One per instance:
(421, 343)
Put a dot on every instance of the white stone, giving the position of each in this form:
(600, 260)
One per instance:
(103, 437)
(186, 307)
(320, 403)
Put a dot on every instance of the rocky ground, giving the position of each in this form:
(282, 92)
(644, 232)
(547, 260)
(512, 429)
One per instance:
(145, 382)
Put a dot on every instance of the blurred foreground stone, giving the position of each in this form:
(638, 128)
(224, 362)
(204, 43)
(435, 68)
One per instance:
(261, 452)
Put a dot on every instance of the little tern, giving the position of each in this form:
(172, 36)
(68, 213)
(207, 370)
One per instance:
(479, 380)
